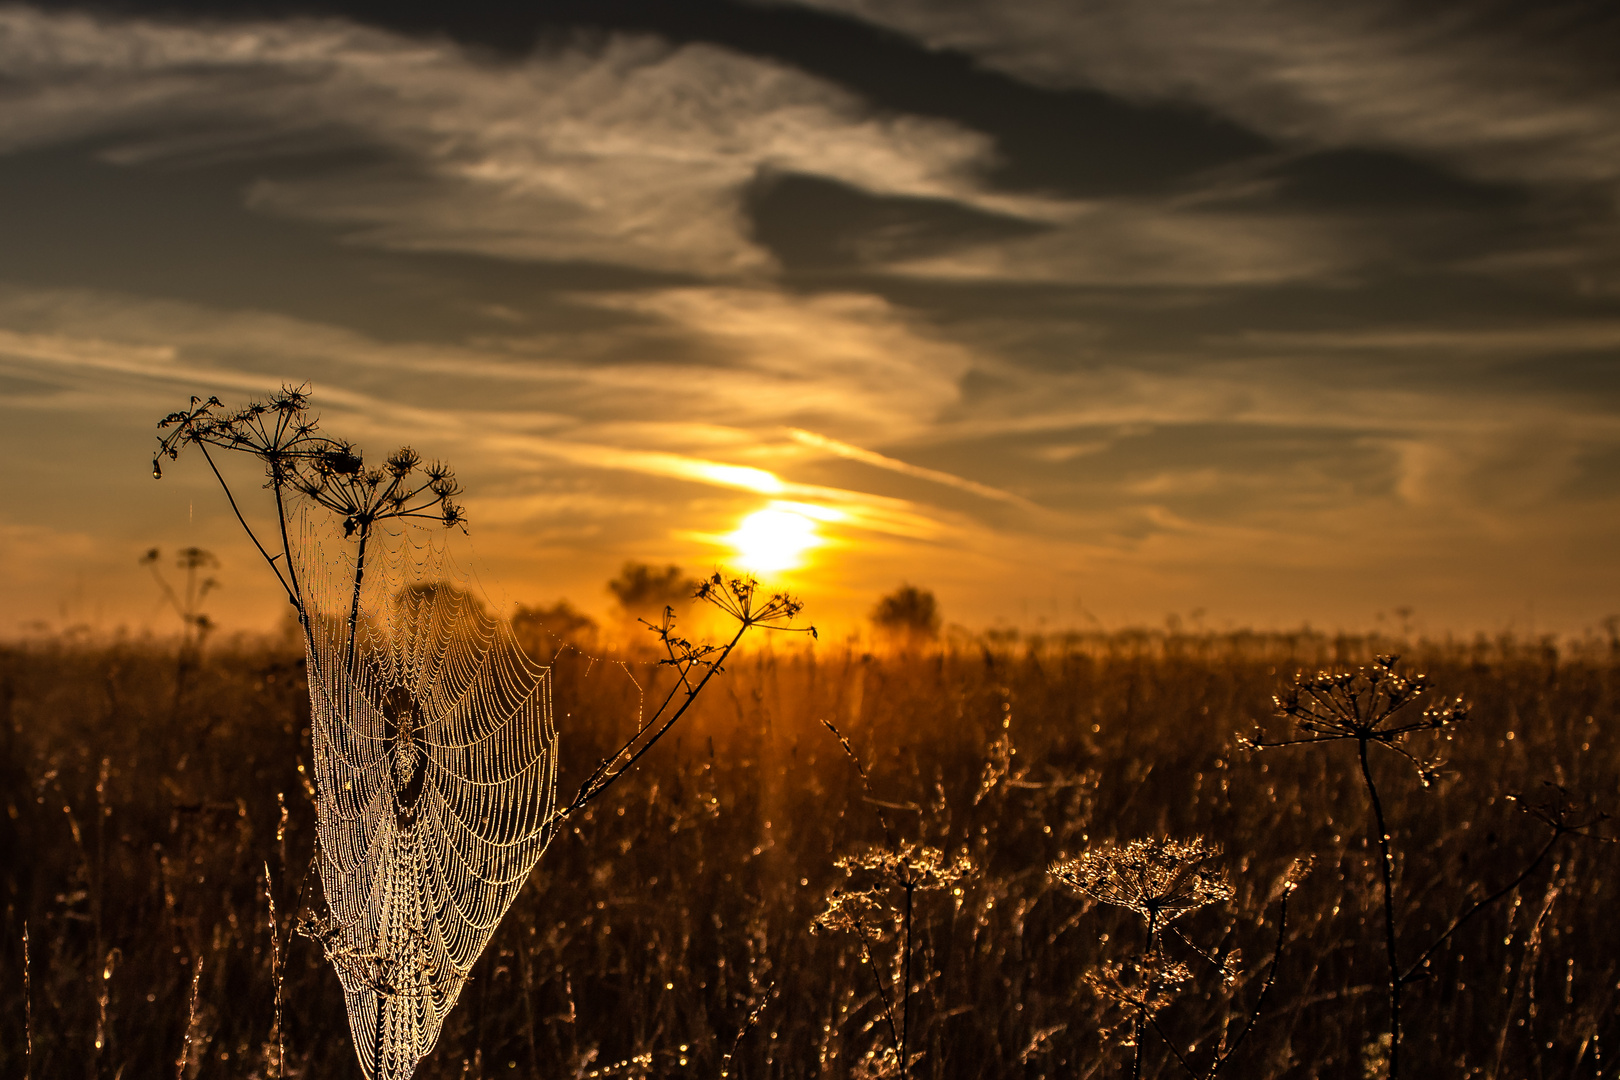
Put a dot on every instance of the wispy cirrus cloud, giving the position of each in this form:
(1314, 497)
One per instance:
(1528, 96)
(627, 151)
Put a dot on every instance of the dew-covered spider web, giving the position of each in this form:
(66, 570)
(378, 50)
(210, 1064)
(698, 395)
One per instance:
(435, 772)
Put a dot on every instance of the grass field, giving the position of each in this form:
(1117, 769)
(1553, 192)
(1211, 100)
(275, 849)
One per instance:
(668, 932)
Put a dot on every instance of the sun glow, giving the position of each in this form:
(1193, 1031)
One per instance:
(776, 538)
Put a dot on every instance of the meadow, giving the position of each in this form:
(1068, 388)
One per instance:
(157, 833)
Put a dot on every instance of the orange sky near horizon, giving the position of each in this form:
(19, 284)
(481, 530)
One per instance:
(1080, 318)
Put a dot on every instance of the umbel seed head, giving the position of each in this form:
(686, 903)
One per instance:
(1160, 879)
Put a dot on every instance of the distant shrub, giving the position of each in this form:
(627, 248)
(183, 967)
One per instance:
(544, 629)
(908, 612)
(642, 589)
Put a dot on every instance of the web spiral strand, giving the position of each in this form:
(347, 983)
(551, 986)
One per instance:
(436, 779)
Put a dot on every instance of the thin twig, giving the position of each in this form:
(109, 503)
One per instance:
(191, 1022)
(1386, 867)
(877, 976)
(905, 1000)
(1265, 988)
(586, 794)
(28, 1008)
(245, 526)
(1412, 972)
(275, 967)
(1180, 1058)
(748, 1025)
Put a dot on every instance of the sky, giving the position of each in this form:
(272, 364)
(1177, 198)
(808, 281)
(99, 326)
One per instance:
(1253, 314)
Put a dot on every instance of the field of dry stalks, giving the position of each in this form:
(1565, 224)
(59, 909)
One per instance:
(147, 829)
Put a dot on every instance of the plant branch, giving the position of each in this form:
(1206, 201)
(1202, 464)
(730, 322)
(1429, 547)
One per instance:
(1265, 988)
(1386, 867)
(905, 1000)
(1411, 973)
(246, 528)
(593, 788)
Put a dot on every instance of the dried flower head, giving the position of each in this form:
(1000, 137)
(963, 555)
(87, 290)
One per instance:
(337, 479)
(1147, 982)
(737, 597)
(871, 909)
(279, 432)
(1159, 879)
(878, 1064)
(1562, 811)
(1297, 872)
(297, 457)
(1371, 705)
(907, 865)
(862, 912)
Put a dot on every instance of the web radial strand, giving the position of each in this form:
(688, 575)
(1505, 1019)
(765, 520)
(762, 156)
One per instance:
(435, 776)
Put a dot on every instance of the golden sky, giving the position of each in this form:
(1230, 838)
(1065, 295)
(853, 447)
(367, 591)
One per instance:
(1078, 315)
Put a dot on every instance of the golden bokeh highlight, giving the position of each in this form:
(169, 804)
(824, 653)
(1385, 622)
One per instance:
(779, 537)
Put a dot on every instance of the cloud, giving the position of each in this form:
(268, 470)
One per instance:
(626, 151)
(699, 367)
(1517, 98)
(127, 353)
(1121, 243)
(629, 151)
(881, 461)
(850, 361)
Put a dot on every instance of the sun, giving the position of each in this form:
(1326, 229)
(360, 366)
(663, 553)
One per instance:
(774, 539)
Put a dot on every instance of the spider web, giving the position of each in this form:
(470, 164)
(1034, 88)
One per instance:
(435, 776)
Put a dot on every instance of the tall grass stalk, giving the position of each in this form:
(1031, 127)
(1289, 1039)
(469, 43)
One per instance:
(701, 869)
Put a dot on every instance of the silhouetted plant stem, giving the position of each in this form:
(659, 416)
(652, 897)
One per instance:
(1386, 868)
(294, 595)
(243, 521)
(1265, 988)
(354, 601)
(1411, 972)
(28, 1006)
(1142, 1018)
(883, 991)
(599, 780)
(276, 971)
(905, 1000)
(1174, 1050)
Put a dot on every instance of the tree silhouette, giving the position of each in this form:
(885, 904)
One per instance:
(642, 589)
(908, 612)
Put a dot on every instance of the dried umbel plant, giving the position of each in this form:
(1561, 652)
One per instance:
(1159, 879)
(694, 666)
(879, 904)
(299, 459)
(1378, 706)
(907, 866)
(1143, 986)
(1371, 706)
(415, 884)
(881, 899)
(1162, 880)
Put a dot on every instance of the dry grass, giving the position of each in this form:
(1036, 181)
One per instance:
(668, 933)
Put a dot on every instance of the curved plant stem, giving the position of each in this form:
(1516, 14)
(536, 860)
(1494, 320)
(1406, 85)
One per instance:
(1386, 867)
(1411, 972)
(1142, 1017)
(905, 1000)
(354, 602)
(1179, 1056)
(877, 977)
(1265, 989)
(295, 594)
(245, 526)
(600, 781)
